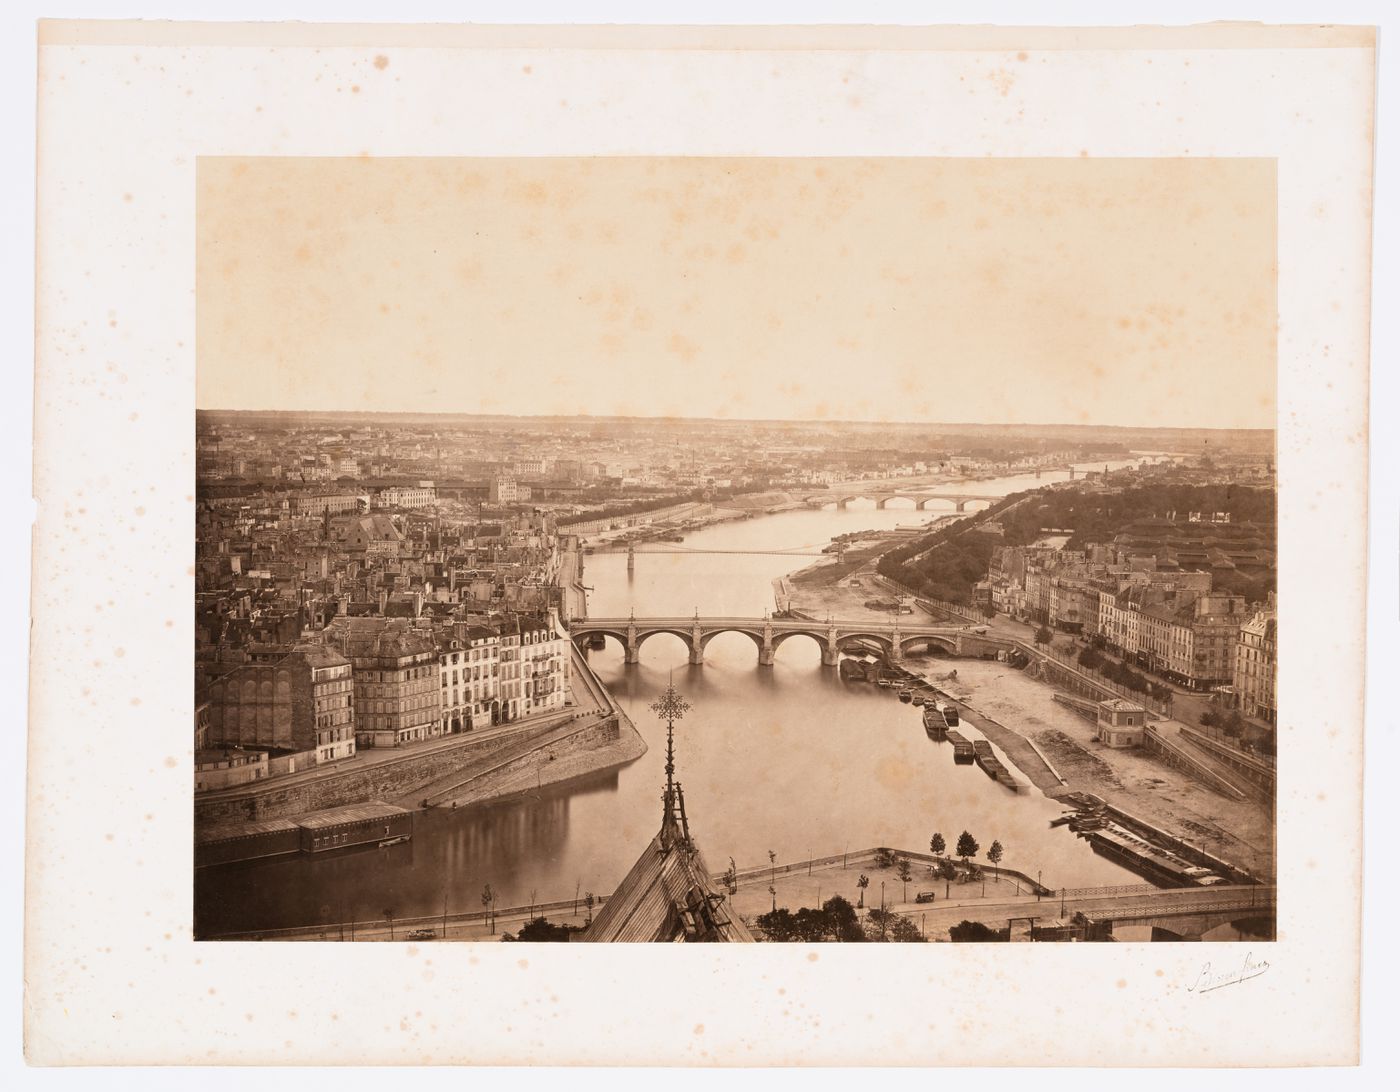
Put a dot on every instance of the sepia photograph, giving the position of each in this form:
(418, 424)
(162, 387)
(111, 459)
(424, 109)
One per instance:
(735, 550)
(505, 488)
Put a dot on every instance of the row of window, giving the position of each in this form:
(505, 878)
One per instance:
(476, 655)
(474, 674)
(394, 705)
(403, 674)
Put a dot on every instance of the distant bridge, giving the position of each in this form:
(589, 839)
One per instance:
(893, 639)
(882, 497)
(664, 549)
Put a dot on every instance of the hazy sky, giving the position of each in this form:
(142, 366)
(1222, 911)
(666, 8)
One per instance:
(1135, 292)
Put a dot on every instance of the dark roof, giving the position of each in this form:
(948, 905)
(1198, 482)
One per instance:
(320, 656)
(350, 813)
(667, 896)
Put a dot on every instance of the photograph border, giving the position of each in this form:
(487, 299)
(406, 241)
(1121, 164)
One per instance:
(1324, 447)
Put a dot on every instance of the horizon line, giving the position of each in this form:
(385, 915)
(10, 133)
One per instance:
(744, 420)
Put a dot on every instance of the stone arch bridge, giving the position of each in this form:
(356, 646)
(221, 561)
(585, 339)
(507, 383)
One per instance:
(894, 639)
(882, 497)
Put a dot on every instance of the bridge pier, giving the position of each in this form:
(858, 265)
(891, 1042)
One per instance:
(962, 506)
(880, 504)
(765, 656)
(831, 656)
(697, 655)
(633, 655)
(841, 505)
(896, 647)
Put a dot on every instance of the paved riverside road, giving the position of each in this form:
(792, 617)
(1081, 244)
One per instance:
(934, 919)
(938, 917)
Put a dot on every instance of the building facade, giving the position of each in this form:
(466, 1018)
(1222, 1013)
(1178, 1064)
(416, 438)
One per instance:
(396, 673)
(1188, 638)
(1120, 723)
(406, 496)
(225, 768)
(534, 671)
(319, 504)
(1256, 666)
(300, 703)
(469, 670)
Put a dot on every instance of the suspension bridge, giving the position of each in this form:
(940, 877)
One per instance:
(662, 548)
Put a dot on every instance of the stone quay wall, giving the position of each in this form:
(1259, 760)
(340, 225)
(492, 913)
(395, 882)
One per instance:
(348, 784)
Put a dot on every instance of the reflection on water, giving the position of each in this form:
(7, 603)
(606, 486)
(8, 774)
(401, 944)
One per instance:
(789, 759)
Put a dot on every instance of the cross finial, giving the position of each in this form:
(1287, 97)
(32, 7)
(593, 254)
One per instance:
(670, 707)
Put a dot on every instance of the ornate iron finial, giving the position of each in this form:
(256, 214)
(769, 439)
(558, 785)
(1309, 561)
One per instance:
(670, 707)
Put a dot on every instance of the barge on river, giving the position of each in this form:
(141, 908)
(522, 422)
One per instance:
(1159, 865)
(934, 724)
(963, 753)
(993, 767)
(355, 826)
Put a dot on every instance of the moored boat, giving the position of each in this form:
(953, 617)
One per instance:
(963, 753)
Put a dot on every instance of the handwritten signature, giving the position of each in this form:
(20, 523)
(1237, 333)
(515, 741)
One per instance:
(1209, 980)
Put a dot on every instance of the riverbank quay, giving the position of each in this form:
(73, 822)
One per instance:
(683, 518)
(840, 590)
(594, 735)
(597, 746)
(799, 883)
(1001, 702)
(1057, 749)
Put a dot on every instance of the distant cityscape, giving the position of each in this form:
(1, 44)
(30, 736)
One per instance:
(392, 614)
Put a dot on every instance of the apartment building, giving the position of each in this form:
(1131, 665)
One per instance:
(1256, 666)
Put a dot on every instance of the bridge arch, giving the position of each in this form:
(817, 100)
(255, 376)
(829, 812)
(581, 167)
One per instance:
(885, 643)
(582, 639)
(780, 639)
(930, 642)
(645, 635)
(755, 637)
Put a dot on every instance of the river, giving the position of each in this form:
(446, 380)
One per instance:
(788, 759)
